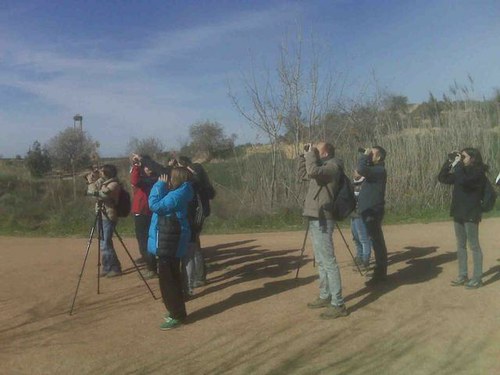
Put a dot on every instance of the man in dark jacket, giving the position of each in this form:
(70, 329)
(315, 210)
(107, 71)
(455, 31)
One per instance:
(323, 171)
(142, 179)
(371, 202)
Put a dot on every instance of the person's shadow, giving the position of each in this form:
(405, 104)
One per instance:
(244, 264)
(420, 268)
(495, 271)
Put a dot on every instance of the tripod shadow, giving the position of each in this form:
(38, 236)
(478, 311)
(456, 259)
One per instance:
(420, 268)
(132, 269)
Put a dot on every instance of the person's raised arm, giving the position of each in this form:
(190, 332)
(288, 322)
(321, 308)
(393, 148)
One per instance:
(160, 201)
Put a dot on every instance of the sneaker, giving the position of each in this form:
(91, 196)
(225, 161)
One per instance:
(473, 284)
(461, 280)
(318, 303)
(170, 323)
(333, 312)
(114, 273)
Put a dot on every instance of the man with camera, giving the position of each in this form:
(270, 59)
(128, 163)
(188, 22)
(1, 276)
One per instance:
(142, 179)
(371, 201)
(106, 188)
(318, 166)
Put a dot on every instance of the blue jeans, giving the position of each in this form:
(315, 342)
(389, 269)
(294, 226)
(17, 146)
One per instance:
(330, 284)
(109, 259)
(467, 232)
(188, 268)
(361, 239)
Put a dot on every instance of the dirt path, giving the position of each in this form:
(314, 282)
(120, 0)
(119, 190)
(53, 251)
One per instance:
(251, 318)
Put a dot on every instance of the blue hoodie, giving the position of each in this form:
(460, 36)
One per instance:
(164, 202)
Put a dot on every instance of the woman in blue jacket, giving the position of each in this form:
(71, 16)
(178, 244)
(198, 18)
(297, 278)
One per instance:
(169, 235)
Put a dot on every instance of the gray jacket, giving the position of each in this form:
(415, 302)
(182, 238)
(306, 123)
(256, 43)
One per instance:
(372, 194)
(323, 177)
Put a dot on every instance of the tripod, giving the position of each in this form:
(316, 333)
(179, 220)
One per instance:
(304, 247)
(101, 210)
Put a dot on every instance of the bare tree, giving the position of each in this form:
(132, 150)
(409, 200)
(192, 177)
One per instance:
(208, 139)
(71, 150)
(294, 100)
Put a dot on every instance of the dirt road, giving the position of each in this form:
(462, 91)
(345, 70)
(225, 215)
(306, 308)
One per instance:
(252, 318)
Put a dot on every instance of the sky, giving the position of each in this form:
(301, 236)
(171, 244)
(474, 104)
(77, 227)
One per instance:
(139, 68)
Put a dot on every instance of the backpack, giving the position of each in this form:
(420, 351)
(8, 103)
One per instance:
(489, 197)
(124, 205)
(344, 200)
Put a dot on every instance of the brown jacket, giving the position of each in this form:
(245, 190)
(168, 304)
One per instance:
(108, 193)
(323, 177)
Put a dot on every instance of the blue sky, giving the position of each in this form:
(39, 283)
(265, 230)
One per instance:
(153, 68)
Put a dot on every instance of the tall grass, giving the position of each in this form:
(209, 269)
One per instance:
(417, 146)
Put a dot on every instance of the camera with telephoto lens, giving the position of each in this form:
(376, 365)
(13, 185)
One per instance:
(93, 175)
(361, 150)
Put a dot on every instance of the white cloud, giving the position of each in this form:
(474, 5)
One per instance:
(123, 94)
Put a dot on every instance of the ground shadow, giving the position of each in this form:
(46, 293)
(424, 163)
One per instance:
(235, 265)
(420, 268)
(410, 253)
(211, 251)
(248, 296)
(495, 271)
(255, 265)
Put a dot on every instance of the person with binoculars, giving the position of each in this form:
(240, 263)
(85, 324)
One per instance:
(371, 205)
(142, 179)
(466, 171)
(322, 171)
(106, 188)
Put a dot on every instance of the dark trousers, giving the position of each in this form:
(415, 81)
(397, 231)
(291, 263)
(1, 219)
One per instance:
(142, 223)
(171, 286)
(373, 223)
(200, 266)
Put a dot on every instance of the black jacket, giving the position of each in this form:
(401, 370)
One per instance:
(203, 187)
(468, 185)
(372, 194)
